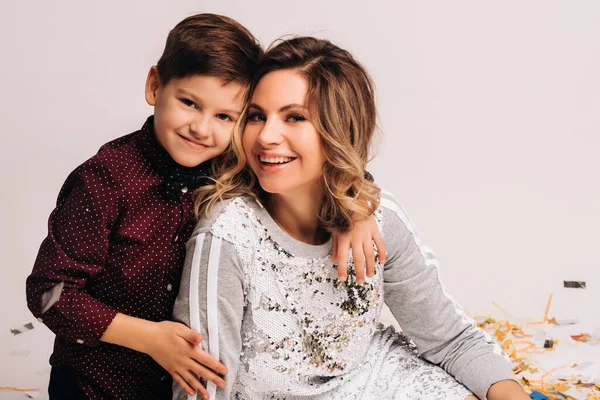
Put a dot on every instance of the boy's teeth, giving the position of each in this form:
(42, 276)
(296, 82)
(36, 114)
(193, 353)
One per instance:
(275, 160)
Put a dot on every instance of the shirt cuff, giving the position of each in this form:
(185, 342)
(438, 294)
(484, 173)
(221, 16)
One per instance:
(78, 318)
(481, 373)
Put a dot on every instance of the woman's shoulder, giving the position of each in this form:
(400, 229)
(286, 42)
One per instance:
(393, 217)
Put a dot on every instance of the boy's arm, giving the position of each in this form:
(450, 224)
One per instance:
(443, 333)
(360, 239)
(73, 253)
(211, 301)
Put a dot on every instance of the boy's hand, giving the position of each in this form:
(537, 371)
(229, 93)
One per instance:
(360, 239)
(175, 347)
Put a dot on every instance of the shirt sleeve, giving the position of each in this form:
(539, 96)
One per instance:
(211, 301)
(73, 255)
(442, 332)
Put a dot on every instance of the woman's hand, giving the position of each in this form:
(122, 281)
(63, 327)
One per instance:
(360, 239)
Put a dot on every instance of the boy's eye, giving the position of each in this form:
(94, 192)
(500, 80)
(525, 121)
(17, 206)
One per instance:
(188, 102)
(256, 117)
(295, 118)
(224, 117)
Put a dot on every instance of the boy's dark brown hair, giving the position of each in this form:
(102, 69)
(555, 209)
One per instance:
(209, 44)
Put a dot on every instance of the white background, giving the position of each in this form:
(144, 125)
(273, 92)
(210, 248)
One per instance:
(489, 112)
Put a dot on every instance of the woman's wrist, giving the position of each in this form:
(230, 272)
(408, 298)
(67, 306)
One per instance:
(507, 390)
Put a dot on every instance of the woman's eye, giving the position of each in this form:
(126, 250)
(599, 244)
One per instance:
(224, 117)
(295, 118)
(256, 117)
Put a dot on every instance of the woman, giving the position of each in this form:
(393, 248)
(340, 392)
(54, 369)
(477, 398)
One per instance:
(259, 284)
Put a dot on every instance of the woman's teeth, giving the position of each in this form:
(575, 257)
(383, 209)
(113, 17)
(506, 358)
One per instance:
(275, 160)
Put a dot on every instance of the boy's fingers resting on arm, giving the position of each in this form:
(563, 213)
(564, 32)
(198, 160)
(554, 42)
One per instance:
(181, 381)
(341, 256)
(358, 255)
(369, 257)
(380, 244)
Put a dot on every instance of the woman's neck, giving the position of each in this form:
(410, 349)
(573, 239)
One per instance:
(298, 216)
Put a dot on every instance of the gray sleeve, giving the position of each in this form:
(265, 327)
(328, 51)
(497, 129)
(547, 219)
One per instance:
(228, 310)
(443, 333)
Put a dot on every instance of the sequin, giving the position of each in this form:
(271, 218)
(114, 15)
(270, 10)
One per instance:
(305, 335)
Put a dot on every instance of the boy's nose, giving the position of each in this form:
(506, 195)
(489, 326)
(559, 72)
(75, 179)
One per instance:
(200, 127)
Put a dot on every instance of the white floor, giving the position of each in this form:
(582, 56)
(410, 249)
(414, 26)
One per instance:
(25, 366)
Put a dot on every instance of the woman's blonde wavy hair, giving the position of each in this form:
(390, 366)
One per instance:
(342, 108)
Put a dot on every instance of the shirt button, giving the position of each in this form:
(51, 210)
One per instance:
(184, 189)
(79, 341)
(41, 321)
(169, 287)
(162, 378)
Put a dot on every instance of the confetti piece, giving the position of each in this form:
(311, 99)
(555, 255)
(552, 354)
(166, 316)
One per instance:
(548, 308)
(565, 321)
(574, 284)
(545, 319)
(535, 395)
(584, 337)
(22, 329)
(14, 389)
(521, 343)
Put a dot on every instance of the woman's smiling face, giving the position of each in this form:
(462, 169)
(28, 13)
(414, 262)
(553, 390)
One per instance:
(281, 144)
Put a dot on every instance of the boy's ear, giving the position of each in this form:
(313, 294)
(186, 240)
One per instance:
(152, 85)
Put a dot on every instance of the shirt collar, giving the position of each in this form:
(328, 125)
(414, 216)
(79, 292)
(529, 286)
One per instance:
(176, 176)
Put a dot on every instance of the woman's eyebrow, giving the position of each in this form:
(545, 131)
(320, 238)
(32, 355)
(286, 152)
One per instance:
(254, 105)
(289, 106)
(282, 109)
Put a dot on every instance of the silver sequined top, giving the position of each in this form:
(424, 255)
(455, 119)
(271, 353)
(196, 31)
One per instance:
(271, 308)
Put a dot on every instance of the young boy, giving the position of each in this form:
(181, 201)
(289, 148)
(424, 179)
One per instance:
(107, 275)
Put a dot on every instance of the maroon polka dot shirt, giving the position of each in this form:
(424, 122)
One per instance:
(116, 241)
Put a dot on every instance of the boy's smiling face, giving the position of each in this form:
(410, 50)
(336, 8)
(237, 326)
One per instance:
(194, 116)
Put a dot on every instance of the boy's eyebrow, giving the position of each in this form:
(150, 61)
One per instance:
(198, 100)
(282, 109)
(234, 112)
